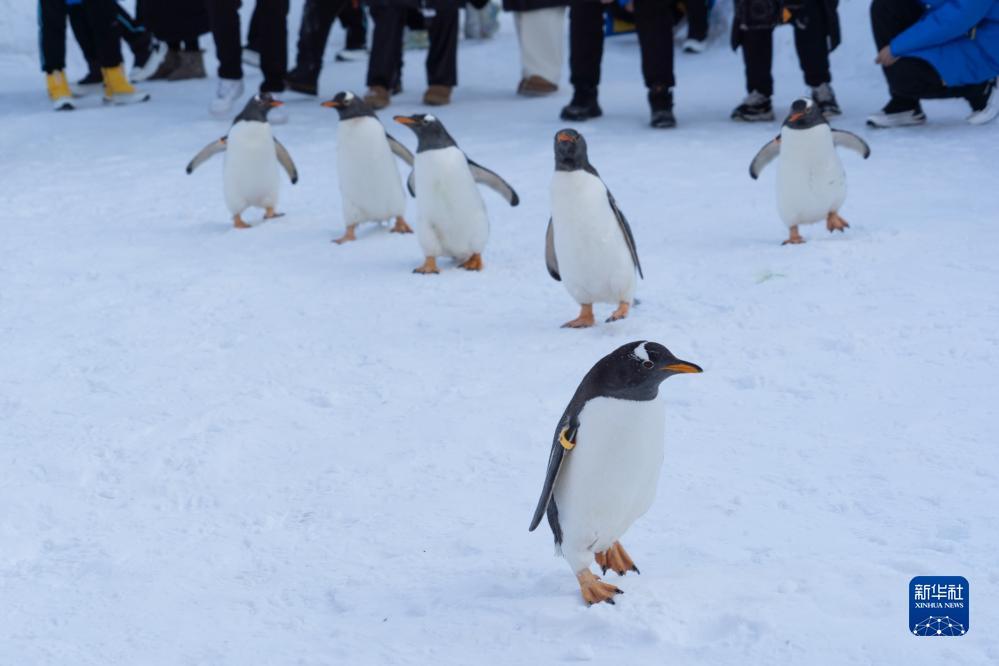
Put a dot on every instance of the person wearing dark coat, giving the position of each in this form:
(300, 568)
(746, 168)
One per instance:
(389, 17)
(540, 28)
(654, 24)
(816, 34)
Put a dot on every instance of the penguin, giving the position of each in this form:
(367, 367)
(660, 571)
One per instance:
(811, 183)
(370, 187)
(453, 219)
(605, 460)
(252, 155)
(589, 246)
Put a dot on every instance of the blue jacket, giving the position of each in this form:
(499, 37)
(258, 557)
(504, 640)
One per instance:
(960, 38)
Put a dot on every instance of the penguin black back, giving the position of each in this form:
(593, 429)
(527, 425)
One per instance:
(429, 131)
(257, 108)
(804, 114)
(348, 105)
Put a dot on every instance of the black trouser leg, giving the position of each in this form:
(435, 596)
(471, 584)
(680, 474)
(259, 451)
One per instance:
(442, 58)
(697, 19)
(273, 43)
(758, 56)
(654, 22)
(352, 19)
(386, 46)
(84, 35)
(912, 79)
(131, 30)
(811, 45)
(52, 34)
(224, 16)
(888, 19)
(317, 19)
(253, 34)
(102, 17)
(586, 45)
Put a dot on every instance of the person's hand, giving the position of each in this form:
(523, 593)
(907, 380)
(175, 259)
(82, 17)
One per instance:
(885, 57)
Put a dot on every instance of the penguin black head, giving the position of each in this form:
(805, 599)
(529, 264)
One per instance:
(804, 114)
(635, 370)
(429, 131)
(570, 151)
(257, 108)
(348, 105)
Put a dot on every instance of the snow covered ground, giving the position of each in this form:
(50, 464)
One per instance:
(255, 447)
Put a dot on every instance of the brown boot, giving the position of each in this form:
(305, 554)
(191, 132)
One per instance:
(170, 63)
(535, 86)
(437, 96)
(191, 66)
(377, 97)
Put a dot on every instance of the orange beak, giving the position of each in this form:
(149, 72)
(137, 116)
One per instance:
(796, 116)
(404, 120)
(563, 137)
(331, 104)
(275, 102)
(684, 367)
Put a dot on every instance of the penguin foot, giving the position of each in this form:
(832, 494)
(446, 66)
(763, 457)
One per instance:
(348, 236)
(429, 267)
(269, 214)
(584, 320)
(836, 223)
(401, 227)
(795, 238)
(620, 313)
(593, 590)
(238, 222)
(473, 263)
(616, 559)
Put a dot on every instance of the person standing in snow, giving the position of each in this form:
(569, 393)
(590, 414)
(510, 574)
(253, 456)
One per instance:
(317, 21)
(101, 20)
(654, 23)
(177, 26)
(273, 17)
(935, 49)
(540, 28)
(816, 34)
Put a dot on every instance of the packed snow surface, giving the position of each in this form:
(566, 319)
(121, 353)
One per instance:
(256, 447)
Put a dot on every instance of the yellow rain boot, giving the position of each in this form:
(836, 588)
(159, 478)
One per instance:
(59, 92)
(117, 89)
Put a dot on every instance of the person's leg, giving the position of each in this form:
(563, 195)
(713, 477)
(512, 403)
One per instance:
(654, 23)
(352, 19)
(52, 35)
(273, 44)
(133, 32)
(224, 16)
(888, 19)
(442, 56)
(697, 20)
(386, 46)
(314, 31)
(255, 30)
(102, 18)
(811, 44)
(758, 56)
(540, 34)
(586, 45)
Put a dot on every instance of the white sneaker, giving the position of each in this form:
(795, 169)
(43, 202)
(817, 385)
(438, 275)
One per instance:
(226, 95)
(885, 119)
(351, 55)
(251, 57)
(991, 110)
(278, 115)
(157, 54)
(694, 45)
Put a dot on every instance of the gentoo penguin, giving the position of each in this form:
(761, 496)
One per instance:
(370, 187)
(605, 461)
(589, 245)
(252, 154)
(811, 183)
(453, 218)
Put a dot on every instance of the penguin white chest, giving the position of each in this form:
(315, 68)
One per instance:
(609, 478)
(370, 187)
(250, 174)
(453, 218)
(811, 182)
(593, 257)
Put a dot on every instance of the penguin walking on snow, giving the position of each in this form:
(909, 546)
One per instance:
(605, 460)
(811, 183)
(252, 154)
(589, 246)
(370, 187)
(453, 219)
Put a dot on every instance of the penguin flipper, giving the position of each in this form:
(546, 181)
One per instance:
(400, 151)
(284, 157)
(493, 181)
(564, 441)
(551, 261)
(411, 183)
(767, 154)
(629, 238)
(207, 152)
(850, 140)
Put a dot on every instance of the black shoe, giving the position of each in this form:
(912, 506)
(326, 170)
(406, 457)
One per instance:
(755, 108)
(826, 99)
(92, 78)
(661, 103)
(302, 82)
(583, 106)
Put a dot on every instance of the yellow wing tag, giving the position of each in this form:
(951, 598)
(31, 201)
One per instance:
(566, 444)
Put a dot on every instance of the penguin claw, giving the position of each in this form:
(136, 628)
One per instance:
(836, 223)
(594, 590)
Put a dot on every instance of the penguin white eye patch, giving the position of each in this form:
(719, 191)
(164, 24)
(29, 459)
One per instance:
(641, 353)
